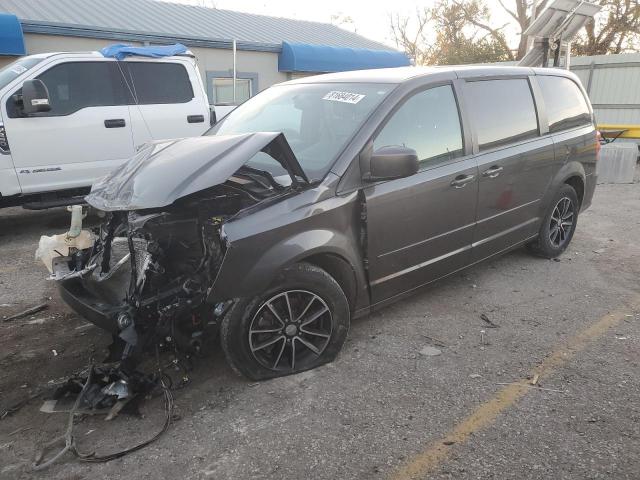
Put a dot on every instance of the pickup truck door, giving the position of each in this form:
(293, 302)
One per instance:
(85, 135)
(420, 228)
(169, 99)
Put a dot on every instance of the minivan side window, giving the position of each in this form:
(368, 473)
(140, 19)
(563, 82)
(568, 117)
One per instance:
(429, 123)
(73, 86)
(502, 111)
(160, 83)
(564, 103)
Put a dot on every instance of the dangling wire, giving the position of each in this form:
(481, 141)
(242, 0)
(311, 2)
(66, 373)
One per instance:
(70, 441)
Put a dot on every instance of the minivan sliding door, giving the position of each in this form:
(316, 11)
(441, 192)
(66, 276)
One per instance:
(515, 163)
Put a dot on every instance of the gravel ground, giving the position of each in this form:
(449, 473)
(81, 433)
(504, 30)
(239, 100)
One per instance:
(382, 402)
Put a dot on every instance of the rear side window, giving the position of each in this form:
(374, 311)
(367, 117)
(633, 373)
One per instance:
(429, 123)
(160, 83)
(502, 111)
(77, 85)
(565, 104)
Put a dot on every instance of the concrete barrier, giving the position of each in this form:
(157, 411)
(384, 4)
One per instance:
(617, 162)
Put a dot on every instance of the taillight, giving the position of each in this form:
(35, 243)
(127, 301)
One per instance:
(598, 143)
(4, 143)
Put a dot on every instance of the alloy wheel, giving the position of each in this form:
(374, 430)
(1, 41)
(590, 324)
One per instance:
(289, 330)
(561, 222)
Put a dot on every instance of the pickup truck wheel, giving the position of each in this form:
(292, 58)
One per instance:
(299, 323)
(558, 225)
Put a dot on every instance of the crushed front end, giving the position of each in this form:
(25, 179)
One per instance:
(149, 267)
(146, 277)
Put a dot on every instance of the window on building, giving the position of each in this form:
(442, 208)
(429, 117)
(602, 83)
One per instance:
(77, 85)
(564, 103)
(160, 83)
(223, 90)
(502, 111)
(429, 123)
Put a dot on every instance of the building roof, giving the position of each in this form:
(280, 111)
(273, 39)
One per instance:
(159, 21)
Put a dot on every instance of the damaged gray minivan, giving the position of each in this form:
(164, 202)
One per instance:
(324, 198)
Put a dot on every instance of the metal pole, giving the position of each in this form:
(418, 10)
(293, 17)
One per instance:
(567, 58)
(534, 15)
(556, 53)
(234, 71)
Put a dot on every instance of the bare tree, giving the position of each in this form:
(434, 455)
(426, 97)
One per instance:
(522, 11)
(409, 34)
(477, 14)
(342, 20)
(453, 31)
(616, 29)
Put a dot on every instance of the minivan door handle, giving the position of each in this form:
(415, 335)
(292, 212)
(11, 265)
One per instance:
(114, 123)
(461, 180)
(195, 118)
(492, 172)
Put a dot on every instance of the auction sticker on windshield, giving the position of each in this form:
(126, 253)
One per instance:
(345, 97)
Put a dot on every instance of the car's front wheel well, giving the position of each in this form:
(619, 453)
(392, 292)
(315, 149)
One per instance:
(578, 185)
(340, 270)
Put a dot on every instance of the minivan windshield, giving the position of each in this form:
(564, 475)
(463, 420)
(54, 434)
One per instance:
(17, 68)
(317, 119)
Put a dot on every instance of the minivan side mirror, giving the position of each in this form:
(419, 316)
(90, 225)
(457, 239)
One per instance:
(35, 97)
(391, 162)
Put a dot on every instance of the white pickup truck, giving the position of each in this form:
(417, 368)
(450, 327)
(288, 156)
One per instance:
(67, 119)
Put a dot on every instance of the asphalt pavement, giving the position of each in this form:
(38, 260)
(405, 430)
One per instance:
(519, 368)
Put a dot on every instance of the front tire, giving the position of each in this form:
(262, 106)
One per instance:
(558, 225)
(300, 323)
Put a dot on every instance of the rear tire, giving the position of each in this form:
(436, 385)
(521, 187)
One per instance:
(558, 224)
(299, 323)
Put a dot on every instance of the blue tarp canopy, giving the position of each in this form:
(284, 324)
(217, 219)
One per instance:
(302, 57)
(11, 38)
(121, 51)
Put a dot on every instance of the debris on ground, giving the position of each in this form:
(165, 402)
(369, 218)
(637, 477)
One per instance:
(599, 250)
(475, 375)
(488, 321)
(27, 312)
(534, 379)
(17, 406)
(106, 389)
(21, 429)
(430, 351)
(437, 342)
(537, 387)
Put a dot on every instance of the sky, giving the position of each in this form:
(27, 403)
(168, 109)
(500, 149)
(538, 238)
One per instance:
(371, 17)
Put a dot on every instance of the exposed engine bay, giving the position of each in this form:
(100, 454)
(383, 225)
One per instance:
(144, 274)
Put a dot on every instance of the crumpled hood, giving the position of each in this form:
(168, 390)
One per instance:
(164, 171)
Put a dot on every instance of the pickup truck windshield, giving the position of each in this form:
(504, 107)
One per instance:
(317, 119)
(17, 68)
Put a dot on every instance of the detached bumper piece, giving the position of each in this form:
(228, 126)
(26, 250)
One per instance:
(89, 307)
